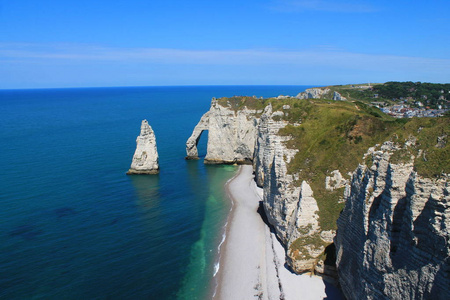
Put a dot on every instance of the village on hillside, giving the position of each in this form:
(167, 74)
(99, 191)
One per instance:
(403, 99)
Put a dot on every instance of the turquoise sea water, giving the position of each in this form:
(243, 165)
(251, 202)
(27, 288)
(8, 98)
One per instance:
(74, 226)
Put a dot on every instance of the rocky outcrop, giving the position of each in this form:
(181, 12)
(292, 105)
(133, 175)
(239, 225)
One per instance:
(314, 93)
(145, 158)
(335, 181)
(338, 97)
(231, 135)
(192, 142)
(393, 234)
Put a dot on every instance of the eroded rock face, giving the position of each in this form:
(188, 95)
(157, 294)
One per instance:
(338, 97)
(291, 209)
(231, 135)
(280, 197)
(314, 93)
(394, 232)
(145, 158)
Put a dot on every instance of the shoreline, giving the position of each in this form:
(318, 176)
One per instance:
(251, 259)
(215, 282)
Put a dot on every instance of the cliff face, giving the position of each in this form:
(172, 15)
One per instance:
(292, 210)
(231, 135)
(145, 158)
(394, 232)
(393, 235)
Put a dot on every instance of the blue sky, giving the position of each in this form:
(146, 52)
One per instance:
(50, 43)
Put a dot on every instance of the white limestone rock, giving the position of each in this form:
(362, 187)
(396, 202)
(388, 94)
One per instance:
(307, 211)
(231, 135)
(393, 234)
(292, 210)
(191, 144)
(338, 97)
(145, 158)
(314, 93)
(335, 181)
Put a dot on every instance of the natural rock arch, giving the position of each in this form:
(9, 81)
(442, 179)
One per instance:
(192, 142)
(231, 135)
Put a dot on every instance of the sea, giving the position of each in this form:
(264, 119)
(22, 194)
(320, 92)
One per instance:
(73, 225)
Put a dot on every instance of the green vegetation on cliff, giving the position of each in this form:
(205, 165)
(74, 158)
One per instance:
(334, 135)
(238, 102)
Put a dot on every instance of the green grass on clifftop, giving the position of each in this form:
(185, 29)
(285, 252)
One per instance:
(239, 102)
(334, 135)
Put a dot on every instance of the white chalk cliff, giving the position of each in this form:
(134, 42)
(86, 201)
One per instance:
(245, 136)
(231, 135)
(393, 238)
(290, 209)
(145, 158)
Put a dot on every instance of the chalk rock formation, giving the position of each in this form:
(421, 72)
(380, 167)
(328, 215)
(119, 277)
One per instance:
(145, 158)
(338, 97)
(292, 210)
(314, 93)
(335, 181)
(270, 164)
(393, 238)
(191, 144)
(231, 135)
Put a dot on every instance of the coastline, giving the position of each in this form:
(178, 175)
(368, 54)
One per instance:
(217, 276)
(251, 259)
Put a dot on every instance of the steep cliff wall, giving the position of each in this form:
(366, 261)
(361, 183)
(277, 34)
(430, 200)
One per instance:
(290, 208)
(231, 135)
(304, 154)
(393, 239)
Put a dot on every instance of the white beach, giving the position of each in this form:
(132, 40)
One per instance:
(252, 263)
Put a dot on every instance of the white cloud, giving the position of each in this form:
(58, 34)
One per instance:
(153, 66)
(320, 56)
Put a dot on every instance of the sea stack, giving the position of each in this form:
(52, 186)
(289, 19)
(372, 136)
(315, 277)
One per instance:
(145, 159)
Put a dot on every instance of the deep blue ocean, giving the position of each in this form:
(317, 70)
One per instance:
(74, 226)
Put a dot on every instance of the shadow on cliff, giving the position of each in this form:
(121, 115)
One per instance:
(263, 215)
(331, 290)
